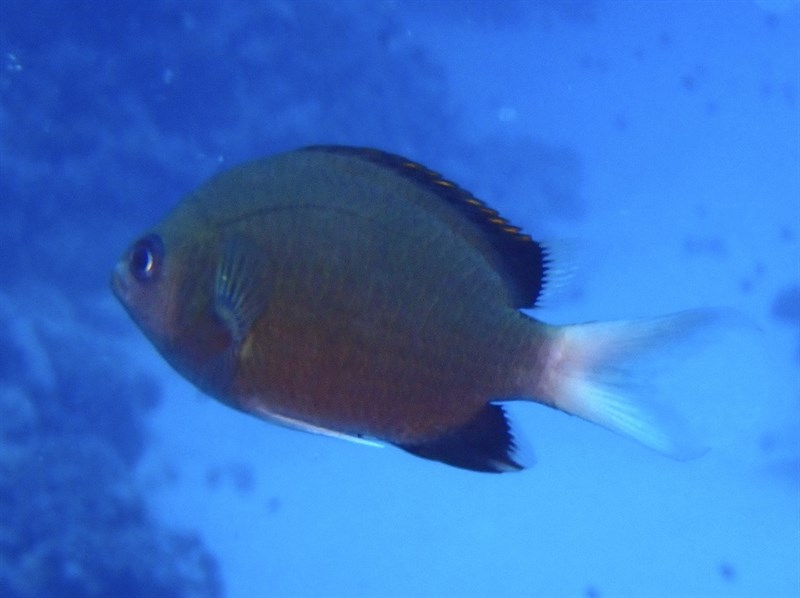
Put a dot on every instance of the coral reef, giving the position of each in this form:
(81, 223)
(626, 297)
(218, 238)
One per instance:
(73, 520)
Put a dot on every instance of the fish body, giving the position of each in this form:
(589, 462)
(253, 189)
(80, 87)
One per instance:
(357, 293)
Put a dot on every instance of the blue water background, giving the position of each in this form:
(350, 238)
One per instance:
(658, 142)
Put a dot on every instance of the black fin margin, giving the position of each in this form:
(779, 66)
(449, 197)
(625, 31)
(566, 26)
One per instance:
(485, 443)
(522, 261)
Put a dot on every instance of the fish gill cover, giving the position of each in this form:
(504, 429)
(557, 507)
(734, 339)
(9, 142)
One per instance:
(111, 111)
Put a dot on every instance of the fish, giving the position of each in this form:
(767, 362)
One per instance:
(355, 293)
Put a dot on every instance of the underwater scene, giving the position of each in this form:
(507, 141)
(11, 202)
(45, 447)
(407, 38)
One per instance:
(533, 284)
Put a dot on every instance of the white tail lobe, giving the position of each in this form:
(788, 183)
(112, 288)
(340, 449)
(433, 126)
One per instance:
(588, 374)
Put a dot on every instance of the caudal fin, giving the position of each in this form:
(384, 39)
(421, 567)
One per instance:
(588, 374)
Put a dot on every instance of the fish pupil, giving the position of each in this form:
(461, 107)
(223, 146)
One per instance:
(145, 258)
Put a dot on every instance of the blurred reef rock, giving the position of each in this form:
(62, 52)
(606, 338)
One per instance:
(73, 520)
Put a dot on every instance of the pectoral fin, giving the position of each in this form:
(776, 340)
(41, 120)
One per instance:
(241, 286)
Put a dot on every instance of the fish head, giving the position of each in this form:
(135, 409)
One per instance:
(165, 281)
(142, 281)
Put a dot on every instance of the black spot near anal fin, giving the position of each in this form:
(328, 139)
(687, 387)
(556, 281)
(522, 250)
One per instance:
(484, 443)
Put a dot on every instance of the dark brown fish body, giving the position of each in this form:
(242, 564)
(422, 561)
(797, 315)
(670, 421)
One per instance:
(351, 292)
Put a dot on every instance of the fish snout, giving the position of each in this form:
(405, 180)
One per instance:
(120, 281)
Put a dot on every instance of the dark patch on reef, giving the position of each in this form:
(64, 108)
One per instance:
(591, 592)
(236, 475)
(727, 572)
(786, 309)
(786, 305)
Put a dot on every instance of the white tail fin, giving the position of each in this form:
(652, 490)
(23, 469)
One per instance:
(587, 376)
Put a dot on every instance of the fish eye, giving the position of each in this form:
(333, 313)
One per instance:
(145, 258)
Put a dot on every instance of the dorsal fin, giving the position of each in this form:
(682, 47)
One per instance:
(521, 261)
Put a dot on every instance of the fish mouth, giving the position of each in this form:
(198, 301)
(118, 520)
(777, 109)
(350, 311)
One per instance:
(123, 287)
(119, 282)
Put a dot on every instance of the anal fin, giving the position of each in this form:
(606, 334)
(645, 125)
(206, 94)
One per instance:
(485, 443)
